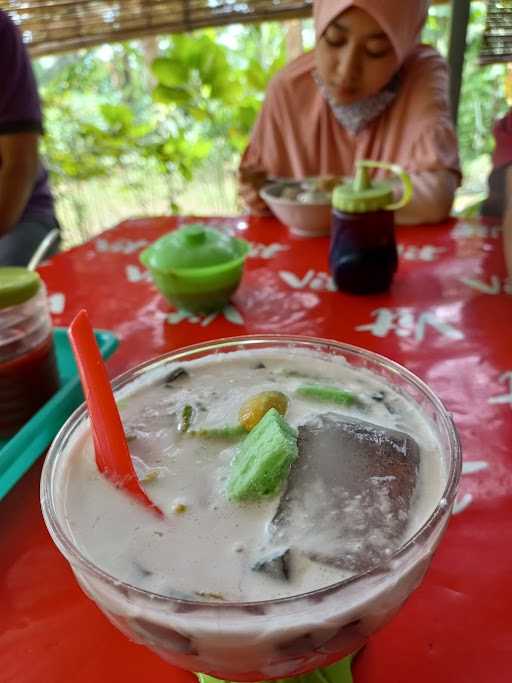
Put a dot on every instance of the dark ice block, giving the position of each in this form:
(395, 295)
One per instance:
(275, 565)
(349, 492)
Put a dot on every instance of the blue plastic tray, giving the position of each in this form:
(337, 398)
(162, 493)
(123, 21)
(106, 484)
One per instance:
(18, 453)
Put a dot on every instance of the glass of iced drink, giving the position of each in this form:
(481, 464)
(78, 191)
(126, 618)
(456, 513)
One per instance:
(305, 485)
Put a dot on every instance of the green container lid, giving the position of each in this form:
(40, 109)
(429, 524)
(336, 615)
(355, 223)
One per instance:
(17, 285)
(361, 195)
(193, 246)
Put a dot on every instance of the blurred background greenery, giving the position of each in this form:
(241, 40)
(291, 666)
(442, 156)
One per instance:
(157, 126)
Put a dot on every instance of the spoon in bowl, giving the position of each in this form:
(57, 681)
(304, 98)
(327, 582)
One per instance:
(111, 449)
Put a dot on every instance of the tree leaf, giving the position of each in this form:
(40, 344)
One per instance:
(169, 72)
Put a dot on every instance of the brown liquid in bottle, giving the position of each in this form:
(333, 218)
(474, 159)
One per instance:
(363, 254)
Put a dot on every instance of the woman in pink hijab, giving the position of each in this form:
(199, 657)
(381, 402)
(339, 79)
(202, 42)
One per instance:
(368, 90)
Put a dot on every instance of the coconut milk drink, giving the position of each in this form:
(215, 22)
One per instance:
(280, 472)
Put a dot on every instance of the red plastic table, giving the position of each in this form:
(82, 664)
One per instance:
(448, 319)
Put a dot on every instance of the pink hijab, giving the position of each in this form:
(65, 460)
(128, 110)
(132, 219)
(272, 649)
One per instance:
(401, 20)
(297, 134)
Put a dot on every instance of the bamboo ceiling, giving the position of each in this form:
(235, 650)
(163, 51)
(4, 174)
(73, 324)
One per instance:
(51, 26)
(497, 39)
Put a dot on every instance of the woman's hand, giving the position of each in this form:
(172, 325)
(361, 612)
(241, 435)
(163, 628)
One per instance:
(432, 198)
(250, 181)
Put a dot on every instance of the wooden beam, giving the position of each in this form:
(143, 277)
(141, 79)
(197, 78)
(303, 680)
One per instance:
(457, 50)
(49, 45)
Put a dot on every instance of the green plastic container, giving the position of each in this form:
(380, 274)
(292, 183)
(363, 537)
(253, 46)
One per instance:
(196, 267)
(18, 453)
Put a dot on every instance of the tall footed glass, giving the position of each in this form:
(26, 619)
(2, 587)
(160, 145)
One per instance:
(264, 639)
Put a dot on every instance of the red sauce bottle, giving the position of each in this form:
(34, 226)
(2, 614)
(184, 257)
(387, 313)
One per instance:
(28, 369)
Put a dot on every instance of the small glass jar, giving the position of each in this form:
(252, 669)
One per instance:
(28, 368)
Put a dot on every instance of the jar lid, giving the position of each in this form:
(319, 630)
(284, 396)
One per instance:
(192, 246)
(361, 195)
(17, 285)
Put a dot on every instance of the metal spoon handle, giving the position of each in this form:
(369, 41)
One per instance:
(43, 247)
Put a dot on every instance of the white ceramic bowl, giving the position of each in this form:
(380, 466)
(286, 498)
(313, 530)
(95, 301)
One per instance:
(305, 220)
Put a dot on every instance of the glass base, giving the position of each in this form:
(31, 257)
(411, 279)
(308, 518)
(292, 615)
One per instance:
(339, 672)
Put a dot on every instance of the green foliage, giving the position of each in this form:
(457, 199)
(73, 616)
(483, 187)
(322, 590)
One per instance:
(213, 87)
(483, 90)
(103, 117)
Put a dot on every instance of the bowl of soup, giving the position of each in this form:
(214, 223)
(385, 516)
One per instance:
(302, 205)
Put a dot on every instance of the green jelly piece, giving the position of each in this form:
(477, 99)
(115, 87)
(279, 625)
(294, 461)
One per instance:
(340, 672)
(263, 460)
(227, 432)
(325, 393)
(186, 419)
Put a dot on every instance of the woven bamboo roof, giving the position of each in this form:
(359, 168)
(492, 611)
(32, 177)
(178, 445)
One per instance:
(497, 38)
(51, 26)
